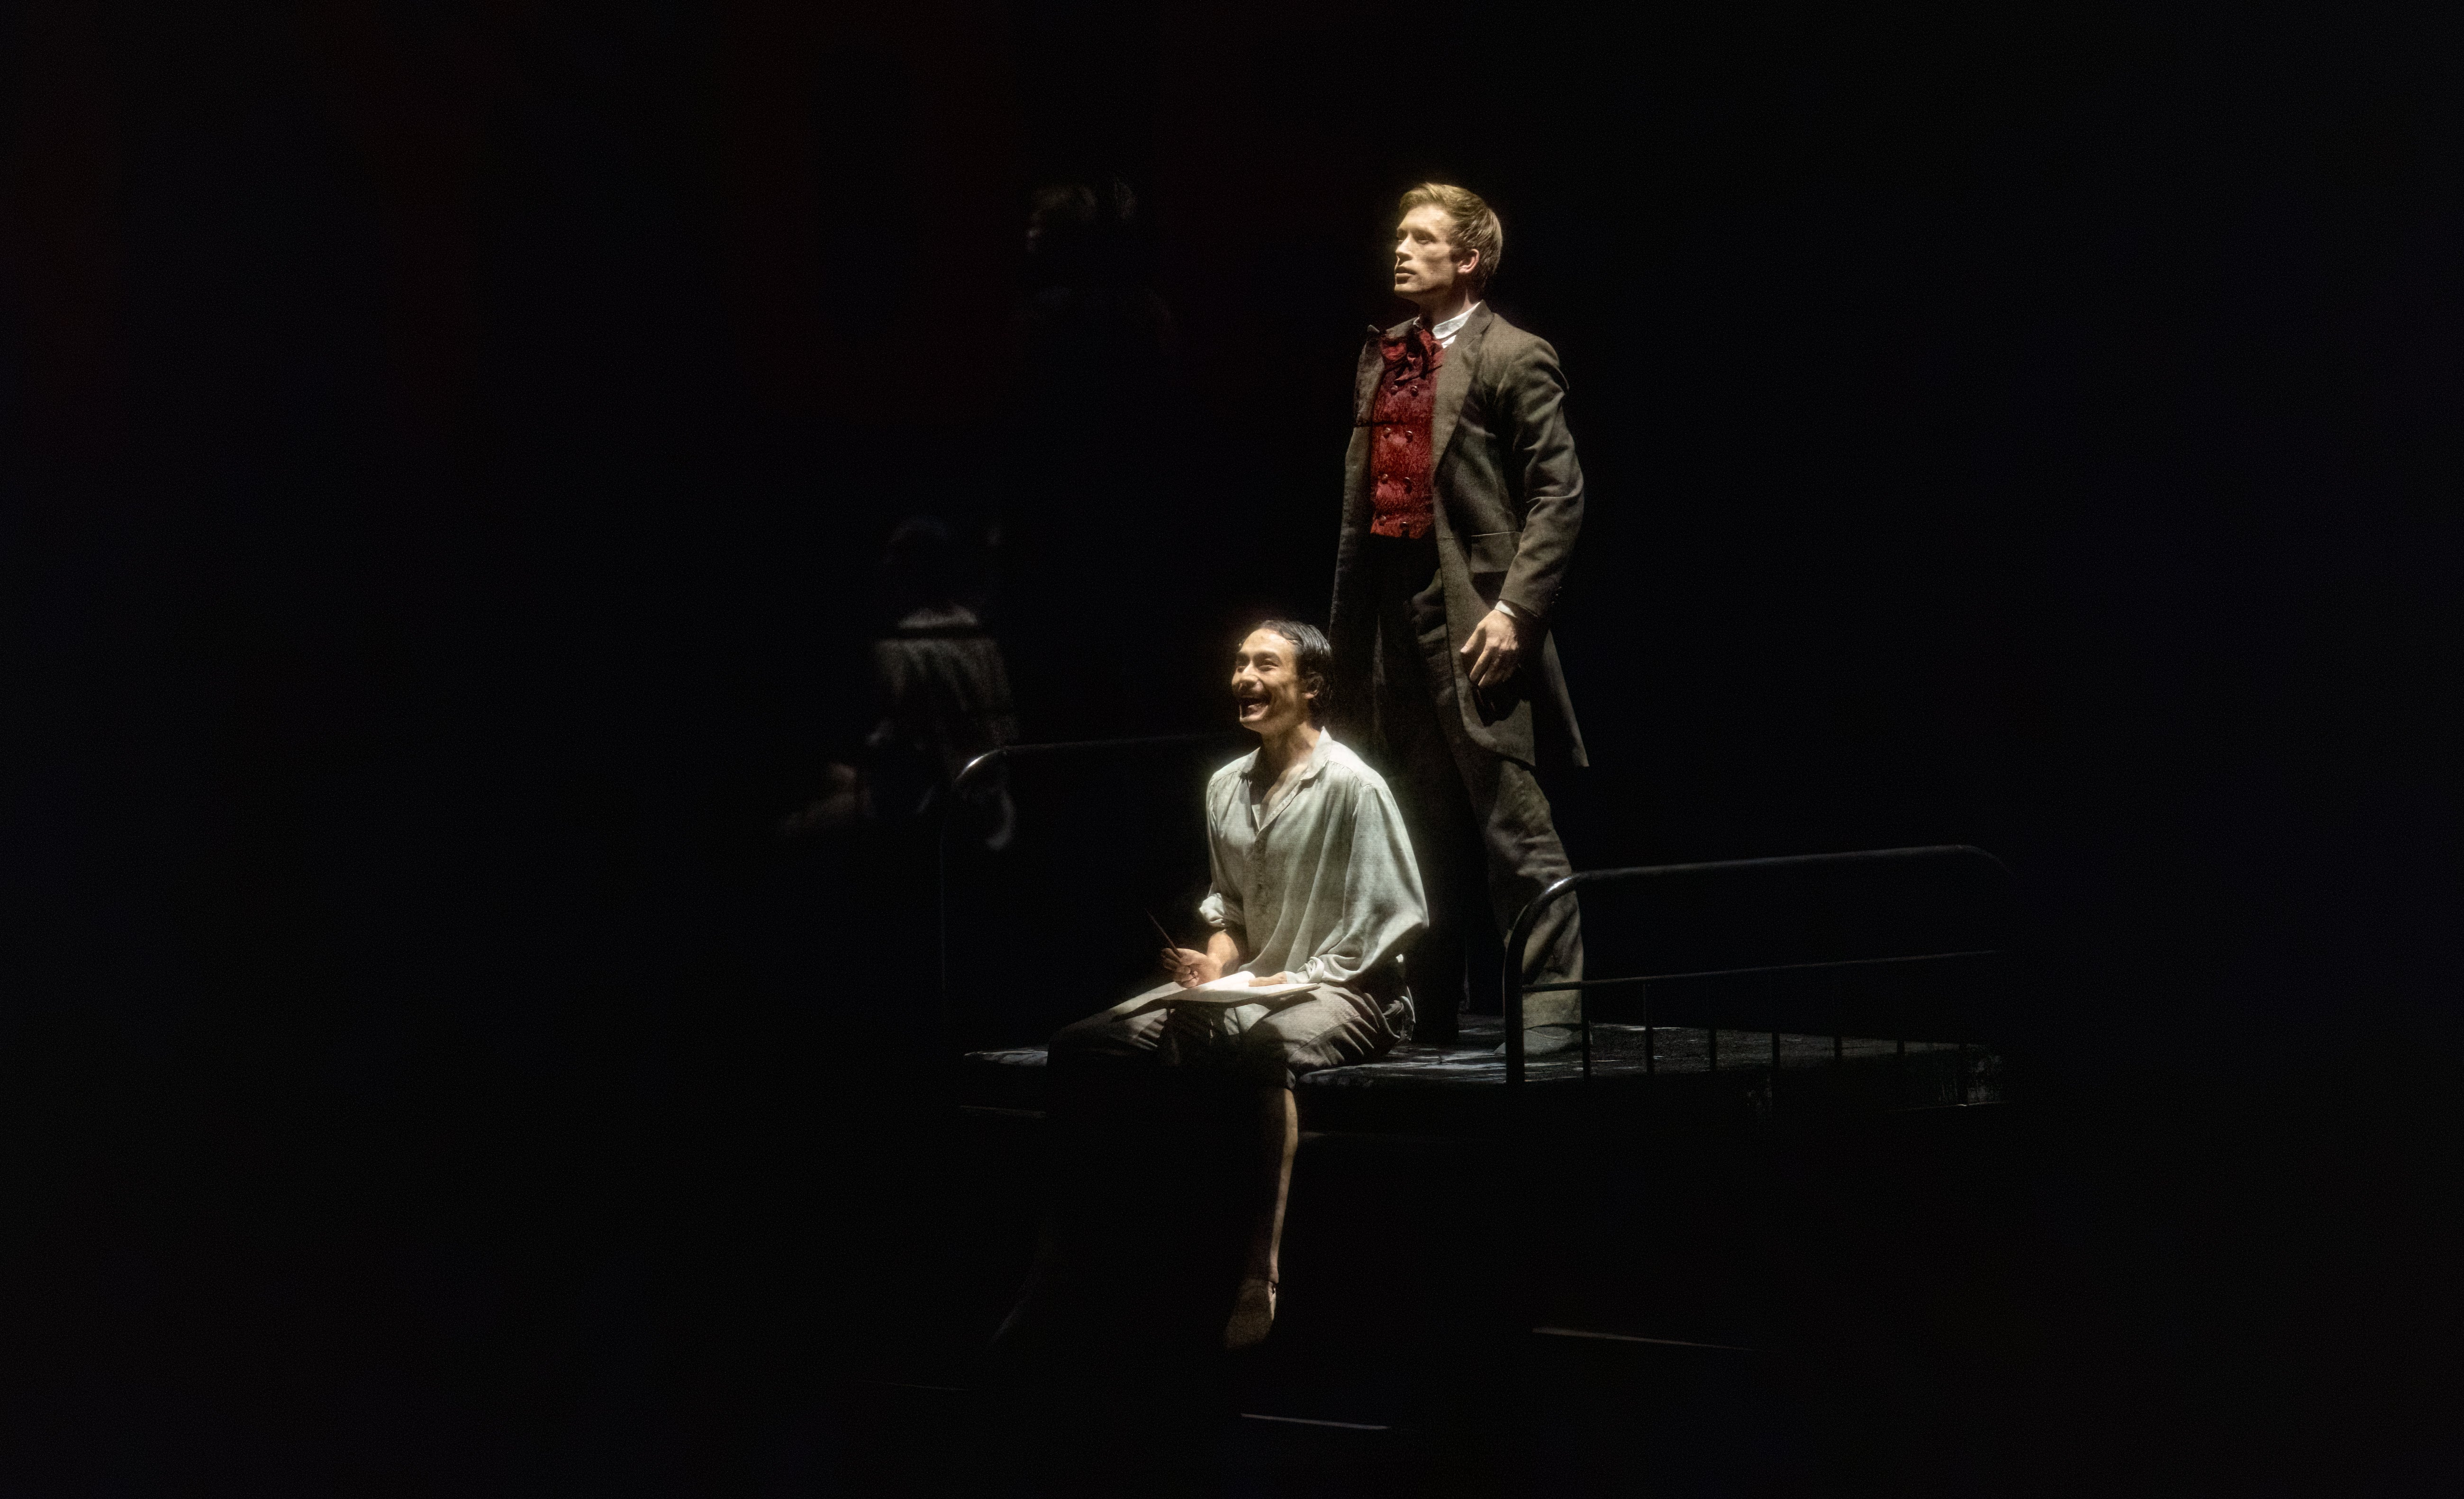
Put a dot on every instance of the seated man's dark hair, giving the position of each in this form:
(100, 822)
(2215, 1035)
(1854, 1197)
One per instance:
(1313, 657)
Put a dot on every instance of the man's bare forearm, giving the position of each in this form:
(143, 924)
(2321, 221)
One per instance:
(1190, 967)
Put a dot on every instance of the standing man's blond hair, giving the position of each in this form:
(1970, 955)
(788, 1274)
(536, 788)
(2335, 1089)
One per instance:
(1476, 228)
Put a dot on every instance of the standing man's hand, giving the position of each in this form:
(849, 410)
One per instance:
(1494, 650)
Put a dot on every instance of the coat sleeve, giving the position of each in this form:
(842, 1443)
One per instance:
(1540, 463)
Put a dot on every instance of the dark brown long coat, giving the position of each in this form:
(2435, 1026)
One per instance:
(1510, 502)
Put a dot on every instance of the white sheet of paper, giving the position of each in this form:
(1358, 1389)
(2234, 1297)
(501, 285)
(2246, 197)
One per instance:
(1230, 990)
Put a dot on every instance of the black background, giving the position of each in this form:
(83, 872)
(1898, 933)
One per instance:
(448, 449)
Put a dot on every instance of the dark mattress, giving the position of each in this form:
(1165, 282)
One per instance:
(1727, 1073)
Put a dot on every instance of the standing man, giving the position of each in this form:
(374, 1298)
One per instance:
(1461, 501)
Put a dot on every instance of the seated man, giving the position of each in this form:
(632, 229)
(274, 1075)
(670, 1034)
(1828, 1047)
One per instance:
(1314, 885)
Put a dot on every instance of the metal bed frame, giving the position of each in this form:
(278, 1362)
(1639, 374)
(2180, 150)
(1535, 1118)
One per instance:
(1512, 990)
(983, 764)
(1512, 1128)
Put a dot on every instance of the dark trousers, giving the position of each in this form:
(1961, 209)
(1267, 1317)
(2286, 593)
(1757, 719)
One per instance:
(1262, 1048)
(1478, 821)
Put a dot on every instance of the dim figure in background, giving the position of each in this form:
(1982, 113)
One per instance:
(1461, 501)
(943, 693)
(1095, 428)
(1314, 899)
(1090, 323)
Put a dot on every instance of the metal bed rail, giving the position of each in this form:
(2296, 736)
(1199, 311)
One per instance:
(1513, 989)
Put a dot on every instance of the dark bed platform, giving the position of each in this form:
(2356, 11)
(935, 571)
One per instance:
(1799, 983)
(1691, 1073)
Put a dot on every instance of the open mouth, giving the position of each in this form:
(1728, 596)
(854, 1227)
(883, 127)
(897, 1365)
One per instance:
(1250, 706)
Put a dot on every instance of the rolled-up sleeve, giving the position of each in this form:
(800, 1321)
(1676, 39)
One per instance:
(1219, 914)
(1383, 906)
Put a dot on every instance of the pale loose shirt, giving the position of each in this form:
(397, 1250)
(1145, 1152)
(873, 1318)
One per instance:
(1320, 881)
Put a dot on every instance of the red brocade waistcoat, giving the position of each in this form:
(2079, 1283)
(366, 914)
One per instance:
(1400, 464)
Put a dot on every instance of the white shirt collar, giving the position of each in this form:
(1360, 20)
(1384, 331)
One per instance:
(1444, 332)
(1309, 767)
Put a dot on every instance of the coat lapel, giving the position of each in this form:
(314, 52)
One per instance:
(1454, 383)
